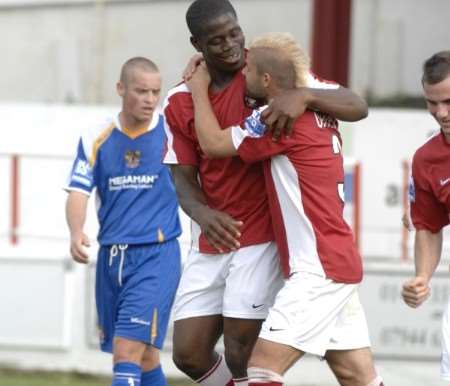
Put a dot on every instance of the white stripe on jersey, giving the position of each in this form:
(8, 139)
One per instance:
(300, 236)
(180, 88)
(171, 157)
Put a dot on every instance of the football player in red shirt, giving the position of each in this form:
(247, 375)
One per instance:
(317, 311)
(429, 193)
(232, 230)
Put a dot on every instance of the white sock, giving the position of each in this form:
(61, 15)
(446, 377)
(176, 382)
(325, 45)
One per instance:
(218, 375)
(240, 381)
(260, 375)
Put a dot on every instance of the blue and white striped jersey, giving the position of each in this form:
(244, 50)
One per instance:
(136, 198)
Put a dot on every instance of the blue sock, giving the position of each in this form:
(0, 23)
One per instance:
(154, 377)
(126, 374)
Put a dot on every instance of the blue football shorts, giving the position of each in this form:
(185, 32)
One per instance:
(135, 289)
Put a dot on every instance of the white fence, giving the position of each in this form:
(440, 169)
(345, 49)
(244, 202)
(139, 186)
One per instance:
(47, 304)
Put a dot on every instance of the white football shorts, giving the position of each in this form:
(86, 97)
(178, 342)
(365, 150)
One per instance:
(314, 314)
(445, 342)
(240, 284)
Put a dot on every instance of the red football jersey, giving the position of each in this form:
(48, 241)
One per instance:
(229, 184)
(429, 191)
(305, 182)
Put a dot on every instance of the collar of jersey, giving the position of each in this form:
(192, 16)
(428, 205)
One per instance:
(135, 134)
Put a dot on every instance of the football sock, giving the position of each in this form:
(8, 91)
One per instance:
(126, 374)
(154, 377)
(240, 381)
(218, 375)
(258, 376)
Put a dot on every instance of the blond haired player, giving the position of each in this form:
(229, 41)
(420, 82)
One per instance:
(318, 310)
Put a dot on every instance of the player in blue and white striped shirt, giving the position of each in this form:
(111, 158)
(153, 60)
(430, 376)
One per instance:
(138, 266)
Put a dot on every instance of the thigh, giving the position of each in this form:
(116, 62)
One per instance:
(150, 278)
(253, 281)
(241, 332)
(274, 356)
(197, 335)
(352, 367)
(202, 285)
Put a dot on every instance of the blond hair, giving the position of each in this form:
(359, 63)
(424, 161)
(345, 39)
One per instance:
(285, 50)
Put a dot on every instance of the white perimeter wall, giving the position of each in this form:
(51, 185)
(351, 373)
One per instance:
(59, 51)
(47, 135)
(48, 318)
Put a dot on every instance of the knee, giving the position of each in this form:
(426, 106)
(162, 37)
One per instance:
(354, 375)
(184, 358)
(352, 367)
(128, 351)
(191, 360)
(150, 359)
(237, 354)
(345, 375)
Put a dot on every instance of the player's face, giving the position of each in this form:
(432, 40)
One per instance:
(438, 103)
(140, 94)
(254, 81)
(222, 44)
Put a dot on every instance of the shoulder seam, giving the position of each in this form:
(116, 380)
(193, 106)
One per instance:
(103, 136)
(180, 88)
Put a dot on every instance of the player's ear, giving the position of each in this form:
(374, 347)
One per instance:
(120, 87)
(266, 78)
(195, 43)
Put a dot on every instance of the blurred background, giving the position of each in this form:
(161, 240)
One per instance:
(60, 63)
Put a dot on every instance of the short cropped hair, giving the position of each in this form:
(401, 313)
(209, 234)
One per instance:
(282, 58)
(436, 68)
(137, 62)
(202, 11)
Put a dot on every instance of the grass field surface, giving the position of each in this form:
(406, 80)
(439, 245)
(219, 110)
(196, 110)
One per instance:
(26, 378)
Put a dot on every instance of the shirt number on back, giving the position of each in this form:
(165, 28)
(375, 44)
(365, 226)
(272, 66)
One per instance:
(341, 194)
(337, 148)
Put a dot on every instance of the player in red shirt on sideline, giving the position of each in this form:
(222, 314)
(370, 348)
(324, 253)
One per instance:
(317, 311)
(232, 231)
(429, 194)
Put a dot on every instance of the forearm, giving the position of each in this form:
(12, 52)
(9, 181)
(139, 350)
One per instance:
(76, 208)
(427, 250)
(214, 141)
(190, 195)
(341, 103)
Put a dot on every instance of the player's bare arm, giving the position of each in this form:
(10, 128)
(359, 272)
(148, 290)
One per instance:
(220, 229)
(213, 141)
(76, 208)
(428, 248)
(340, 103)
(194, 61)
